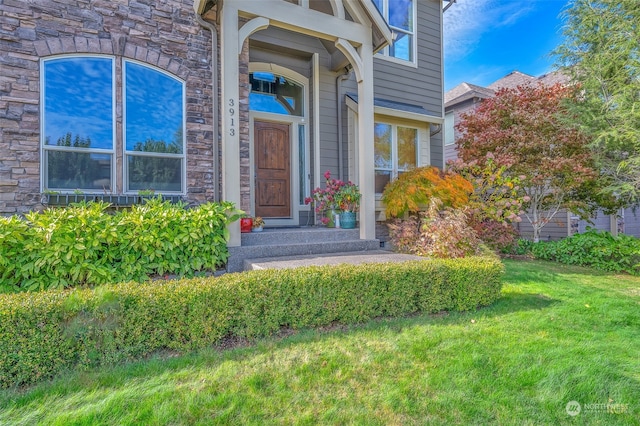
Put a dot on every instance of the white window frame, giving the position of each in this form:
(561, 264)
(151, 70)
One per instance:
(127, 153)
(394, 148)
(385, 53)
(48, 148)
(449, 129)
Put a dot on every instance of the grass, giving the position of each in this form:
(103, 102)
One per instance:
(559, 334)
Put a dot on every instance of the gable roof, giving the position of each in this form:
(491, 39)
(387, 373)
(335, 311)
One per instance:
(553, 77)
(513, 80)
(465, 91)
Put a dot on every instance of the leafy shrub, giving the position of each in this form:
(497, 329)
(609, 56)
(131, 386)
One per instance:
(413, 190)
(85, 245)
(42, 333)
(404, 234)
(497, 195)
(520, 247)
(600, 250)
(495, 234)
(439, 232)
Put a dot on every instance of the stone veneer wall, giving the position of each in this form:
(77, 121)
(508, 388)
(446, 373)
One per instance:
(160, 33)
(245, 145)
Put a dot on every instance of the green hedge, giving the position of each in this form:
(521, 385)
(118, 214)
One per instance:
(42, 333)
(86, 245)
(598, 249)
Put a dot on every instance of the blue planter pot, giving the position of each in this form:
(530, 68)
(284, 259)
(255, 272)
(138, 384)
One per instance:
(348, 220)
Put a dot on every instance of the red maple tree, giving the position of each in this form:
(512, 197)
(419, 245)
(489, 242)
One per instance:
(526, 130)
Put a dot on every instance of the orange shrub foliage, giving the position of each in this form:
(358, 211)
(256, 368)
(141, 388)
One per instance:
(413, 190)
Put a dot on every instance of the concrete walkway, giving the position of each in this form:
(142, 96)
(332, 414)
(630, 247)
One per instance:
(353, 258)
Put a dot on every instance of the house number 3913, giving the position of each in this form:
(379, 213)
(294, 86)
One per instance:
(232, 113)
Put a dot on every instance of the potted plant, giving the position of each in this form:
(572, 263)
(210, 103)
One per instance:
(246, 223)
(324, 200)
(348, 198)
(258, 224)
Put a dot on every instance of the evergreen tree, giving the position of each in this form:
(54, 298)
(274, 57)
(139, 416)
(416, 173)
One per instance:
(601, 53)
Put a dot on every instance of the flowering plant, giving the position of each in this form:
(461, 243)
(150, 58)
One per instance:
(325, 198)
(336, 194)
(258, 222)
(348, 197)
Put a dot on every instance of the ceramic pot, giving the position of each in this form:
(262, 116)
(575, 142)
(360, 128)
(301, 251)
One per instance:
(348, 220)
(246, 223)
(330, 216)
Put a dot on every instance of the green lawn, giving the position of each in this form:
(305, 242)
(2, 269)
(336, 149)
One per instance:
(559, 334)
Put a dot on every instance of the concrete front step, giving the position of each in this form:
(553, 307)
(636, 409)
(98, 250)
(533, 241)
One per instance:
(352, 258)
(310, 234)
(277, 243)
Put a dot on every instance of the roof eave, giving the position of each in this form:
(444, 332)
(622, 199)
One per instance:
(378, 21)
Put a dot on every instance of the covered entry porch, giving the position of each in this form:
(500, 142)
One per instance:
(270, 160)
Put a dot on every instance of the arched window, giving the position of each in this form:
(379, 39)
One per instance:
(153, 129)
(78, 125)
(276, 94)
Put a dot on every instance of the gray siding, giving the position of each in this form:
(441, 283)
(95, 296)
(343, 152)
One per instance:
(421, 85)
(600, 221)
(465, 107)
(557, 229)
(554, 230)
(632, 222)
(450, 152)
(437, 153)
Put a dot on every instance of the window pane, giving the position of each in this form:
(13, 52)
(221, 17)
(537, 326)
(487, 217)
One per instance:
(382, 179)
(78, 102)
(402, 47)
(378, 4)
(154, 110)
(276, 94)
(78, 170)
(401, 14)
(382, 146)
(154, 173)
(449, 129)
(407, 144)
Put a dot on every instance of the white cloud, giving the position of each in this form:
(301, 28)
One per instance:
(466, 21)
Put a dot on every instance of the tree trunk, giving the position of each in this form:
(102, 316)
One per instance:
(535, 224)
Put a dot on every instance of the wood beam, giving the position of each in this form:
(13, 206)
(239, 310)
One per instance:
(256, 24)
(289, 16)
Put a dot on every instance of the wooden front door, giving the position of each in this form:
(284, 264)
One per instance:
(272, 162)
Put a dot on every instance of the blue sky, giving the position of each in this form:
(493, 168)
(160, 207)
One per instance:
(79, 100)
(486, 39)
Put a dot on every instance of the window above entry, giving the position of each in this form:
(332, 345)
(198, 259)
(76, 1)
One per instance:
(275, 94)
